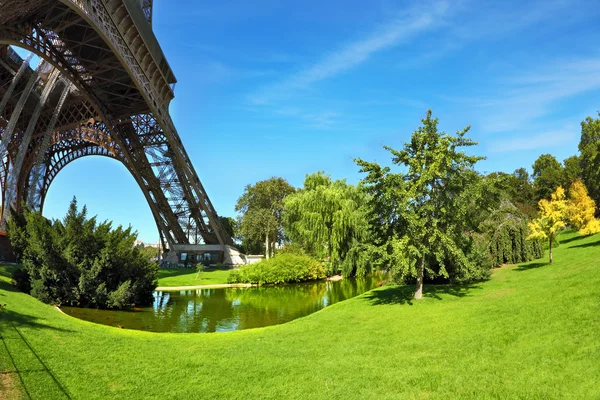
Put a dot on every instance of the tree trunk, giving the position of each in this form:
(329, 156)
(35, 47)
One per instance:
(420, 273)
(551, 237)
(267, 247)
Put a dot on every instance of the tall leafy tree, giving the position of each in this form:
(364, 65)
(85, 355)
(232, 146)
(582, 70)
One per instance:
(551, 220)
(572, 171)
(589, 148)
(522, 192)
(329, 219)
(547, 176)
(431, 208)
(517, 188)
(260, 208)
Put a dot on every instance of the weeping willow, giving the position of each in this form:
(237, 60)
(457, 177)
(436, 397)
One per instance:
(506, 232)
(329, 219)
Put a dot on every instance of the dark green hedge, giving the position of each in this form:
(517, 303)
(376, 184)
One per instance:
(78, 262)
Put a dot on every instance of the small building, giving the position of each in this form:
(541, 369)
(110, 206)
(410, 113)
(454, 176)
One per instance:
(6, 250)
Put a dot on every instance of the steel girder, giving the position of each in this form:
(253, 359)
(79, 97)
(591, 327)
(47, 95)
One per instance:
(117, 106)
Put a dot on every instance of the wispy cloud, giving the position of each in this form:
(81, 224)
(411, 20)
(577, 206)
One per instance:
(408, 24)
(536, 141)
(216, 72)
(317, 120)
(527, 96)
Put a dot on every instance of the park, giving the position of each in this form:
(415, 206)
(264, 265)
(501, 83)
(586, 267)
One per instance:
(344, 242)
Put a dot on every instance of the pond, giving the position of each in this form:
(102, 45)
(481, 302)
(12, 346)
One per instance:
(229, 309)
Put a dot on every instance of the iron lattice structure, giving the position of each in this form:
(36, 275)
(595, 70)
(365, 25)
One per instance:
(103, 88)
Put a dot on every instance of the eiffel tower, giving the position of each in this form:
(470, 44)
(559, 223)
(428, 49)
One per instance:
(103, 88)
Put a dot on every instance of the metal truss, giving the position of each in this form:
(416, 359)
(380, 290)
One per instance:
(109, 96)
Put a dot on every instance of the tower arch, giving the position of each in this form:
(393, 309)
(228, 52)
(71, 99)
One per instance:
(104, 89)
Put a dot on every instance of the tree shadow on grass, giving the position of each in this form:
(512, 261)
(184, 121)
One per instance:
(7, 286)
(526, 267)
(404, 294)
(9, 317)
(584, 245)
(573, 239)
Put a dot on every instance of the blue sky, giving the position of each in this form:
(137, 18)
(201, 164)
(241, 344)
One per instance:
(273, 88)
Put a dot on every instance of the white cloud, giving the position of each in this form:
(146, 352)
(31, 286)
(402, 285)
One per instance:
(527, 96)
(408, 24)
(533, 142)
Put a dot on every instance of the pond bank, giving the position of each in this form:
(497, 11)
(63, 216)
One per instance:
(195, 287)
(333, 278)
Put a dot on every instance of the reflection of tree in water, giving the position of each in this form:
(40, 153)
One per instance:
(348, 288)
(210, 310)
(270, 305)
(195, 311)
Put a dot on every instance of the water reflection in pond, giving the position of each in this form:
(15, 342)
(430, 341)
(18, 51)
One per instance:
(230, 309)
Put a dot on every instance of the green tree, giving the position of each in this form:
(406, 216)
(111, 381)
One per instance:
(260, 208)
(230, 225)
(16, 227)
(572, 171)
(329, 218)
(80, 262)
(589, 148)
(431, 204)
(548, 174)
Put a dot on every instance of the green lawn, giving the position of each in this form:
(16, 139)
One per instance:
(531, 332)
(187, 276)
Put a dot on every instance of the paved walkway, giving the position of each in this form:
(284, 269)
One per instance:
(214, 286)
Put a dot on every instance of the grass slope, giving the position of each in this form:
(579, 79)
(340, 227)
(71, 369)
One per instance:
(187, 276)
(531, 332)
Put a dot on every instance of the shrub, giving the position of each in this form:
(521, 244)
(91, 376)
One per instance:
(505, 234)
(291, 248)
(21, 280)
(78, 262)
(285, 268)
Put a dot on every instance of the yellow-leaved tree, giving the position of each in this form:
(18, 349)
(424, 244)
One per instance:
(581, 209)
(552, 218)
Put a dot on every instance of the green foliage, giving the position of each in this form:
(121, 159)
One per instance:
(548, 174)
(518, 189)
(79, 262)
(422, 214)
(260, 208)
(285, 268)
(149, 252)
(504, 237)
(291, 248)
(589, 148)
(329, 219)
(230, 225)
(571, 171)
(15, 228)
